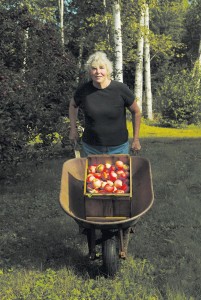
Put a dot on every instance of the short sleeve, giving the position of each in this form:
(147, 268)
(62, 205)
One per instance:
(127, 95)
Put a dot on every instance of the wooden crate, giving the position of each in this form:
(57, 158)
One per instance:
(107, 205)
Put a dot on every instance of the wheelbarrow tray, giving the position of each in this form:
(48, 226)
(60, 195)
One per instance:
(72, 194)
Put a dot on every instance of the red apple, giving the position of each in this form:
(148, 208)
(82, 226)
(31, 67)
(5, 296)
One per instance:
(97, 175)
(125, 188)
(121, 174)
(118, 183)
(92, 169)
(112, 168)
(113, 176)
(108, 188)
(90, 178)
(119, 164)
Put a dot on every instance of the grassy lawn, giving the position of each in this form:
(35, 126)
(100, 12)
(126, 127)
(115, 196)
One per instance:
(44, 257)
(147, 131)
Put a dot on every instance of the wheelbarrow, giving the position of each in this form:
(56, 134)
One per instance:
(114, 231)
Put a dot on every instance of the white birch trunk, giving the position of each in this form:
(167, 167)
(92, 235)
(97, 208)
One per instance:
(148, 92)
(106, 22)
(26, 37)
(139, 64)
(61, 13)
(80, 59)
(118, 41)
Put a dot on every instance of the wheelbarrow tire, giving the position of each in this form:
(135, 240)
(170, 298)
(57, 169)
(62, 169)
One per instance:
(110, 256)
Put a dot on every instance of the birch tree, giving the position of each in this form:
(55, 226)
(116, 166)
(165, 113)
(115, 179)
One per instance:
(61, 14)
(147, 67)
(118, 41)
(139, 64)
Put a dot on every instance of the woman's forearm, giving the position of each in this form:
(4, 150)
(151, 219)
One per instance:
(73, 112)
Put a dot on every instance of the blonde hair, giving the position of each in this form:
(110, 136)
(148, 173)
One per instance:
(97, 59)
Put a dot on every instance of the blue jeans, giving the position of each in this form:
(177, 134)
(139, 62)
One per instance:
(94, 150)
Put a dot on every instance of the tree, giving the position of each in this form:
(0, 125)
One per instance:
(118, 41)
(139, 63)
(147, 68)
(61, 14)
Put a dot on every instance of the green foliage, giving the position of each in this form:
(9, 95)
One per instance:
(36, 83)
(180, 97)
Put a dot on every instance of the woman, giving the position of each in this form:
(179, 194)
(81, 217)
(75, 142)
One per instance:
(104, 102)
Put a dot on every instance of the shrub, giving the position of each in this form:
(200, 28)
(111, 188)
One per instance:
(36, 82)
(180, 99)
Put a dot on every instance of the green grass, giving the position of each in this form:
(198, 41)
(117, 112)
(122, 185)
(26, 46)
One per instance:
(44, 257)
(147, 131)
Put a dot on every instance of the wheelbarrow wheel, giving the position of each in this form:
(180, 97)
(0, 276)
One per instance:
(110, 256)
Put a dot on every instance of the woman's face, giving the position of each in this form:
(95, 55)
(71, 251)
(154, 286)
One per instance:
(99, 73)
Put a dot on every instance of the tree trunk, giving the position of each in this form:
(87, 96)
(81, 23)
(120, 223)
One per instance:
(26, 37)
(106, 22)
(139, 64)
(61, 13)
(148, 92)
(118, 41)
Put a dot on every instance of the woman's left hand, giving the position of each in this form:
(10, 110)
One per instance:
(136, 145)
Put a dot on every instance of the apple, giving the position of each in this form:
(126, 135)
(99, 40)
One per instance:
(90, 178)
(125, 188)
(119, 164)
(108, 188)
(103, 183)
(126, 167)
(92, 169)
(97, 175)
(118, 183)
(111, 183)
(107, 166)
(113, 176)
(96, 183)
(112, 168)
(120, 191)
(100, 168)
(121, 174)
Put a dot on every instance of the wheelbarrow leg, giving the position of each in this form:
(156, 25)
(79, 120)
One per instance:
(124, 235)
(91, 239)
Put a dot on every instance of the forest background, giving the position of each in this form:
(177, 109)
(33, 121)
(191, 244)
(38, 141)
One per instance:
(44, 45)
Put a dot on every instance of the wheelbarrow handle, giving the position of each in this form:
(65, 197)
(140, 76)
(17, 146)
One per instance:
(76, 148)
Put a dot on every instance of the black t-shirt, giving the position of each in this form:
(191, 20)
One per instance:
(105, 113)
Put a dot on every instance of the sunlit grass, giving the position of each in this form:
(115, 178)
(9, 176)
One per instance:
(147, 131)
(134, 282)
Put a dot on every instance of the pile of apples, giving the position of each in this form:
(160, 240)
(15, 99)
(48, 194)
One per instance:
(108, 178)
